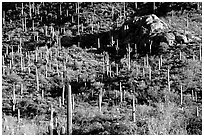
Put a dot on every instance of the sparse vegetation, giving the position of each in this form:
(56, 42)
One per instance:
(79, 44)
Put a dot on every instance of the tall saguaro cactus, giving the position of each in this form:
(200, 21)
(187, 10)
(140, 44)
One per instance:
(63, 92)
(100, 98)
(159, 64)
(150, 47)
(192, 95)
(14, 97)
(154, 7)
(133, 108)
(121, 92)
(22, 9)
(150, 73)
(200, 49)
(4, 17)
(168, 79)
(37, 79)
(129, 60)
(99, 43)
(135, 5)
(12, 54)
(51, 126)
(181, 95)
(69, 110)
(197, 111)
(21, 89)
(116, 69)
(124, 11)
(19, 115)
(161, 61)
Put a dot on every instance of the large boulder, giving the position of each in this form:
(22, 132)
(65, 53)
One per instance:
(149, 29)
(151, 23)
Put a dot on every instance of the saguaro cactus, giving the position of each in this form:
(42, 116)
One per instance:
(168, 79)
(21, 89)
(12, 54)
(60, 9)
(103, 60)
(110, 74)
(180, 55)
(121, 92)
(116, 69)
(124, 11)
(3, 61)
(14, 97)
(99, 46)
(143, 72)
(154, 7)
(30, 8)
(161, 61)
(33, 24)
(135, 5)
(82, 28)
(107, 64)
(7, 50)
(98, 27)
(19, 115)
(51, 126)
(36, 55)
(63, 92)
(150, 71)
(42, 93)
(200, 49)
(37, 79)
(4, 17)
(147, 60)
(197, 111)
(129, 49)
(69, 110)
(25, 25)
(133, 108)
(117, 46)
(187, 21)
(181, 95)
(60, 102)
(73, 103)
(33, 7)
(22, 9)
(100, 98)
(21, 59)
(192, 95)
(46, 70)
(150, 47)
(196, 96)
(67, 13)
(144, 61)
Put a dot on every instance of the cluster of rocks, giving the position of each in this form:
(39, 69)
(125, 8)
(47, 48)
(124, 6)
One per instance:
(150, 30)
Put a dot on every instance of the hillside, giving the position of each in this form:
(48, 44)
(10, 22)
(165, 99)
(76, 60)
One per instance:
(133, 68)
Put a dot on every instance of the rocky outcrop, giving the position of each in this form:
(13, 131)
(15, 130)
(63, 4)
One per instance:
(150, 30)
(142, 31)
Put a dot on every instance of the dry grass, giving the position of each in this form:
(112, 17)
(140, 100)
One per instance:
(24, 127)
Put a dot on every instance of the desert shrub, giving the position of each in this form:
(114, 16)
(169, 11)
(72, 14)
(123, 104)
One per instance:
(168, 120)
(194, 126)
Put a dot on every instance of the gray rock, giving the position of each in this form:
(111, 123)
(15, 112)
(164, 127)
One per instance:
(170, 38)
(180, 38)
(150, 28)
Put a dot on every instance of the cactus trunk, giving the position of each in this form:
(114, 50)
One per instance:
(69, 111)
(133, 109)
